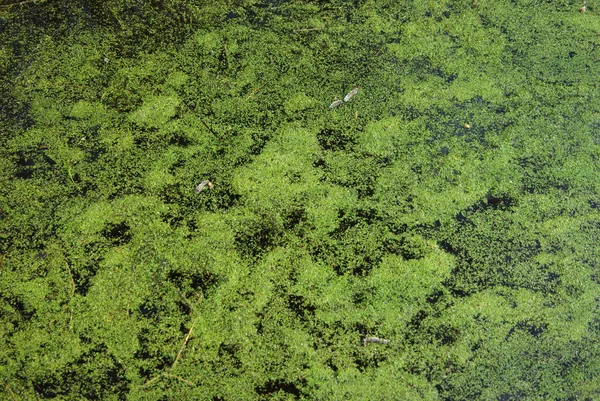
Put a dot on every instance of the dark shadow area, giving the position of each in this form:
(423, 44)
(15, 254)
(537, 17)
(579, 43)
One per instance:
(273, 387)
(95, 375)
(117, 233)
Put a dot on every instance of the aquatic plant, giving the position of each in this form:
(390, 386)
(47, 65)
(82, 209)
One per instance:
(450, 209)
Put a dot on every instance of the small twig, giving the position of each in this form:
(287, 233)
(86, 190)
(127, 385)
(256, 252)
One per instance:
(208, 128)
(308, 29)
(192, 307)
(4, 6)
(72, 294)
(224, 53)
(189, 334)
(166, 375)
(178, 378)
(14, 397)
(152, 380)
(70, 173)
(132, 289)
(187, 338)
(35, 391)
(255, 91)
(72, 281)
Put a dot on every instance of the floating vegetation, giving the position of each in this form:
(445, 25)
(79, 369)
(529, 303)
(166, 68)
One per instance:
(455, 208)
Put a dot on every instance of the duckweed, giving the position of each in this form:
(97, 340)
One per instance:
(474, 251)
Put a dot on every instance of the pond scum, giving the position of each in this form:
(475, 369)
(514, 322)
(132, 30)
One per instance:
(451, 207)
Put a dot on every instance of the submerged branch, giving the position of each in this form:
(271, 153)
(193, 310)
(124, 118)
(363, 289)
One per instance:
(16, 3)
(12, 394)
(187, 338)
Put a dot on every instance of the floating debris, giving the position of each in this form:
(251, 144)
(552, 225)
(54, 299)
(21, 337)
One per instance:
(351, 93)
(376, 340)
(336, 104)
(204, 184)
(346, 98)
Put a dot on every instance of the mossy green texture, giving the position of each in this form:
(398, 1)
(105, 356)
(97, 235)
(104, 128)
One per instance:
(452, 206)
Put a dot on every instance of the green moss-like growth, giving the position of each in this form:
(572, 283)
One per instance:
(450, 207)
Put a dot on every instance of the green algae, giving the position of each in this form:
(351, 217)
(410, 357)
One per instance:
(451, 206)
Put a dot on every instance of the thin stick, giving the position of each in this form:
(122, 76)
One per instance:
(192, 308)
(187, 338)
(14, 397)
(17, 3)
(151, 380)
(166, 375)
(35, 391)
(189, 334)
(208, 128)
(132, 289)
(255, 91)
(308, 29)
(72, 294)
(72, 281)
(184, 343)
(179, 378)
